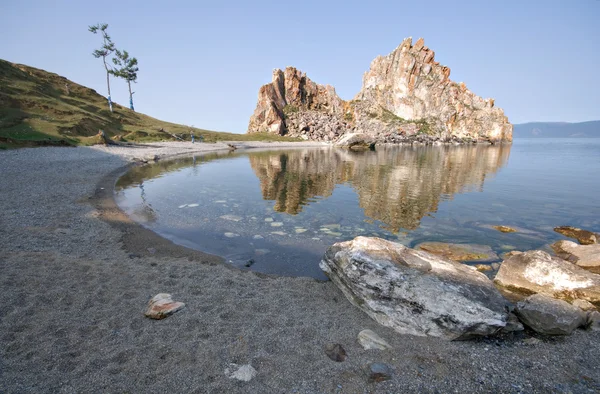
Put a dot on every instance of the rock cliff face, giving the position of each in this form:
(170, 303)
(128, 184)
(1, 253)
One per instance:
(406, 96)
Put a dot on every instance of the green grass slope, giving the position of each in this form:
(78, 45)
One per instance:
(36, 109)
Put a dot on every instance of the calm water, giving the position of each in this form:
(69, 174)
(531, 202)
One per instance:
(278, 211)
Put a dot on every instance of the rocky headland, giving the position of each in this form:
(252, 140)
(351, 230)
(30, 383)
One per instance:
(406, 97)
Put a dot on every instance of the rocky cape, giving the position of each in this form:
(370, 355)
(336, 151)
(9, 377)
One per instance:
(406, 96)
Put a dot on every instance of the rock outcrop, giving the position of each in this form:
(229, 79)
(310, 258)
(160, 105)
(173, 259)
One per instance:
(406, 97)
(537, 272)
(415, 292)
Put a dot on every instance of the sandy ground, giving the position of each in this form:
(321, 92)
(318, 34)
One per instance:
(76, 276)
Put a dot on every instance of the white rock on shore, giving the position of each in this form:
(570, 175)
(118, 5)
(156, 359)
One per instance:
(415, 292)
(536, 271)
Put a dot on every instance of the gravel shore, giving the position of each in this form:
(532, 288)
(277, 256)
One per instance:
(77, 275)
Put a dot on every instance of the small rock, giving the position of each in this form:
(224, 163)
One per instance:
(276, 224)
(161, 306)
(231, 235)
(583, 236)
(245, 373)
(261, 252)
(249, 263)
(496, 266)
(483, 267)
(593, 321)
(151, 250)
(509, 254)
(369, 340)
(531, 341)
(584, 305)
(258, 237)
(512, 324)
(193, 205)
(378, 372)
(336, 352)
(182, 206)
(505, 229)
(278, 233)
(268, 219)
(220, 201)
(300, 230)
(548, 315)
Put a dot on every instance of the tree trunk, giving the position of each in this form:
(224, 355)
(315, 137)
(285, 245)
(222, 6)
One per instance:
(108, 84)
(130, 96)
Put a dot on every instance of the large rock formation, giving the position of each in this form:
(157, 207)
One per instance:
(415, 292)
(406, 96)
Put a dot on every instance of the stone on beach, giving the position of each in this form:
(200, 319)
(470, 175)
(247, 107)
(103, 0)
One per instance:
(583, 236)
(536, 271)
(378, 372)
(585, 256)
(549, 316)
(460, 252)
(335, 352)
(415, 292)
(370, 340)
(244, 373)
(161, 306)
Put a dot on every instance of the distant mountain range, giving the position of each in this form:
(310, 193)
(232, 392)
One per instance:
(589, 129)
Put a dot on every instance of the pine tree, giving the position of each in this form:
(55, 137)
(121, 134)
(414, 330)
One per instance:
(105, 50)
(127, 69)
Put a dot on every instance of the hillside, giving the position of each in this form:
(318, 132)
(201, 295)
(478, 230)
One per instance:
(558, 130)
(42, 108)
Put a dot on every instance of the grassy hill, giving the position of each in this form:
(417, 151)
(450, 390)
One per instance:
(37, 108)
(557, 130)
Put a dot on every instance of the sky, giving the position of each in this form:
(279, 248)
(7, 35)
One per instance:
(202, 63)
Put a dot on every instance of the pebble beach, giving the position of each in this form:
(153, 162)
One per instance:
(77, 275)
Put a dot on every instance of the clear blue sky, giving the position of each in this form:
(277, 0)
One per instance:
(202, 63)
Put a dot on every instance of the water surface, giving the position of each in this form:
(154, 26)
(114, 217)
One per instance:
(278, 211)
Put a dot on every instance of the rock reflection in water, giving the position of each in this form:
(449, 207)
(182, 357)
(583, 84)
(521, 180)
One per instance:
(397, 186)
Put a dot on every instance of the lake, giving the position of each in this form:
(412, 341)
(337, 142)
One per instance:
(277, 211)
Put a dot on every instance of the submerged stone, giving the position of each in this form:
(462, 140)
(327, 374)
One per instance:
(583, 236)
(232, 218)
(193, 205)
(276, 224)
(300, 230)
(505, 229)
(460, 252)
(231, 235)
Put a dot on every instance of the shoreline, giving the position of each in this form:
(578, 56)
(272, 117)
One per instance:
(74, 292)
